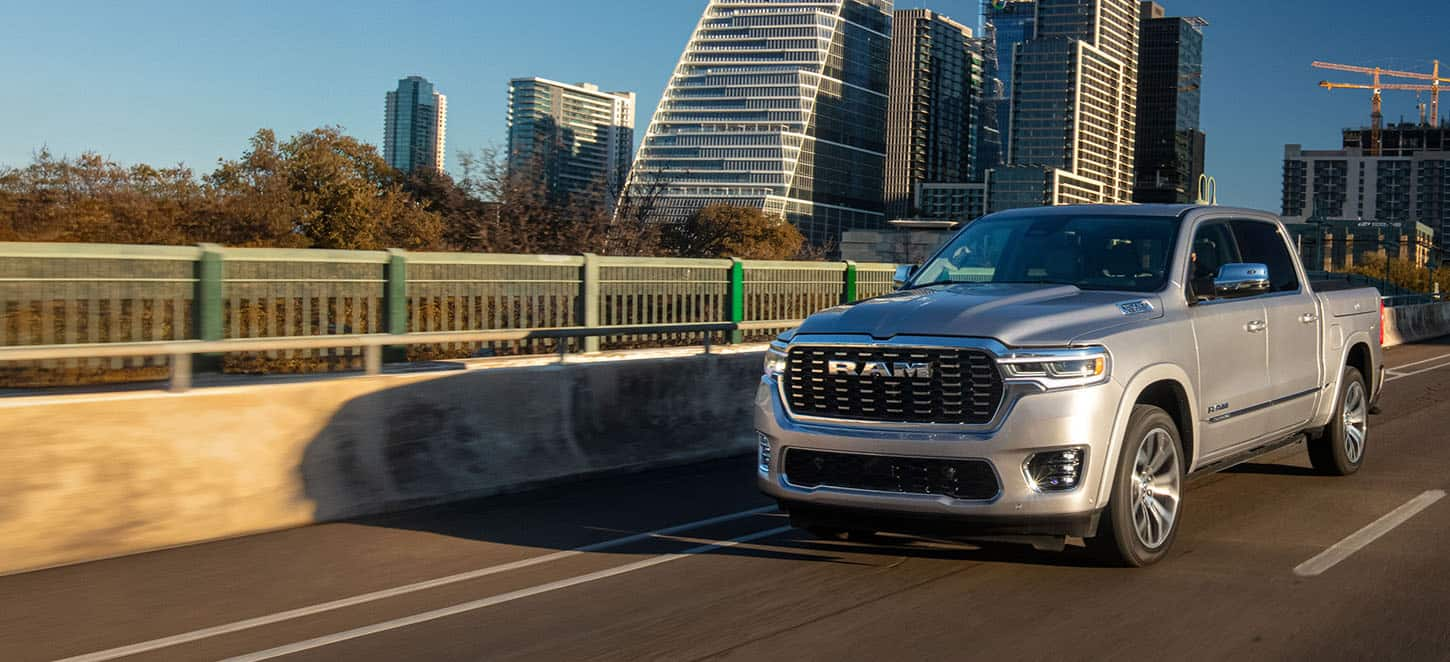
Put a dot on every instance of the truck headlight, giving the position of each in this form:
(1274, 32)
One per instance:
(775, 359)
(1057, 368)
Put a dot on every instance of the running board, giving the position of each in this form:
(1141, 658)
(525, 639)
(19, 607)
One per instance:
(1240, 458)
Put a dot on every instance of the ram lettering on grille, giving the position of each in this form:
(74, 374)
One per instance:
(880, 369)
(949, 385)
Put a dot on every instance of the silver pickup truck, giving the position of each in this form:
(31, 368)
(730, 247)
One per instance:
(1059, 372)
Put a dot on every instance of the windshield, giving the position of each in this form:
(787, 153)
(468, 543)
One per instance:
(1128, 253)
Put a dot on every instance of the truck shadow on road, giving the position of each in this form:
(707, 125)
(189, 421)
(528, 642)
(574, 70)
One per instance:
(1271, 470)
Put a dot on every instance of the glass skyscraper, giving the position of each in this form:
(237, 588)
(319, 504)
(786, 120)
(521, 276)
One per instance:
(778, 105)
(1005, 23)
(1074, 106)
(1170, 143)
(933, 116)
(414, 126)
(576, 138)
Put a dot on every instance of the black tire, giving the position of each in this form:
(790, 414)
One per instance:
(1339, 448)
(1132, 532)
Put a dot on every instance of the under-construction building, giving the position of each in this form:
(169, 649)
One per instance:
(1406, 186)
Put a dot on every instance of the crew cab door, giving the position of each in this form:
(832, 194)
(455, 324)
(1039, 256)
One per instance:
(1233, 363)
(1292, 316)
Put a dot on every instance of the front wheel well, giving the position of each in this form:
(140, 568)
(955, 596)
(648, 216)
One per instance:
(1170, 396)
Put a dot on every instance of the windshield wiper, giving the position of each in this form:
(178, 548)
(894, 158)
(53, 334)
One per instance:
(1033, 282)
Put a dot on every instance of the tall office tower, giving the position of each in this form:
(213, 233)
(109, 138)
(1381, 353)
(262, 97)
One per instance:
(778, 105)
(1406, 186)
(1170, 144)
(1005, 23)
(414, 126)
(1074, 106)
(577, 139)
(932, 118)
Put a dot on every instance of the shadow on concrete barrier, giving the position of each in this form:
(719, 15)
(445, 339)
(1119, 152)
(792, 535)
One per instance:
(489, 431)
(92, 476)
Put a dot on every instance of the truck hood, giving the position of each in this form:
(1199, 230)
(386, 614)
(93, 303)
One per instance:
(1015, 314)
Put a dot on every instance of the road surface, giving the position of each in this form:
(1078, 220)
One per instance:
(1272, 562)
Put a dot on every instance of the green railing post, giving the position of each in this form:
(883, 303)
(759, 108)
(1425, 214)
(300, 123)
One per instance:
(395, 303)
(848, 291)
(589, 299)
(737, 298)
(207, 304)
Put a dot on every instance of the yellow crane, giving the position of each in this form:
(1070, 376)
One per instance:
(1377, 115)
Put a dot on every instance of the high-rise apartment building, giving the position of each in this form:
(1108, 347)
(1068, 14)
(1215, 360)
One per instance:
(779, 105)
(1074, 106)
(932, 119)
(1005, 23)
(1170, 143)
(414, 126)
(1407, 185)
(575, 138)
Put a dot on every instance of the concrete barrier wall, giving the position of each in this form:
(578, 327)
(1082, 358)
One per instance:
(1406, 324)
(87, 477)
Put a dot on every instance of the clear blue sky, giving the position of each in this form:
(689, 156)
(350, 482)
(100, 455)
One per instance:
(164, 82)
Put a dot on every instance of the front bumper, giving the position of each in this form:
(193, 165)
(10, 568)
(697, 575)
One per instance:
(1030, 423)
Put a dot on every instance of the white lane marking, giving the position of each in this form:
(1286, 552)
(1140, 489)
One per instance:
(1393, 375)
(1414, 363)
(490, 601)
(1359, 539)
(300, 612)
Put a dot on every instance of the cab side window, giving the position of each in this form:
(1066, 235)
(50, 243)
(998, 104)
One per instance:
(1261, 243)
(1213, 247)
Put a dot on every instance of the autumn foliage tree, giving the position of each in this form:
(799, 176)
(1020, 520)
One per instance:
(326, 189)
(739, 232)
(319, 189)
(1403, 273)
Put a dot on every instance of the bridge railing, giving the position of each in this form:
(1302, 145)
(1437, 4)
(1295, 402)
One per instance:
(180, 353)
(89, 294)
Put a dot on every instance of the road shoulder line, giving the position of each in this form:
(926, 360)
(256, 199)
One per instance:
(1360, 539)
(290, 614)
(493, 600)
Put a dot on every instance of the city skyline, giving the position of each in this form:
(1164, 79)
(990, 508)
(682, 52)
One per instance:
(104, 100)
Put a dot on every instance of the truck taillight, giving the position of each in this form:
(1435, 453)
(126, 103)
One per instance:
(1382, 322)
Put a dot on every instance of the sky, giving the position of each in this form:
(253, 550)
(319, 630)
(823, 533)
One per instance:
(167, 82)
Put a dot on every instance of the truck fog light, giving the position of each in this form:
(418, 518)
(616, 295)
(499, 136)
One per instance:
(762, 455)
(1054, 471)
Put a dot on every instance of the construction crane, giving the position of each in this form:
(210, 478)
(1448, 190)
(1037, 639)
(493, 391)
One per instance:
(1377, 118)
(1433, 87)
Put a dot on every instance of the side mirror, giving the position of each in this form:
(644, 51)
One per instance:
(1241, 280)
(903, 274)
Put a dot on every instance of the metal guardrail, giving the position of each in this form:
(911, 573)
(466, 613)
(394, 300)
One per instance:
(94, 294)
(181, 351)
(1409, 300)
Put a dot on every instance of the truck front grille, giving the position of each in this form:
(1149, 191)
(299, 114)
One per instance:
(960, 479)
(964, 386)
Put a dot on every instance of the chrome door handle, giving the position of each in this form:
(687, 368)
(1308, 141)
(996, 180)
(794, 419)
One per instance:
(1308, 318)
(1256, 326)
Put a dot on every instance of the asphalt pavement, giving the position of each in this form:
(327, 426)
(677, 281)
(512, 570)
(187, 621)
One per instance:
(1272, 562)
